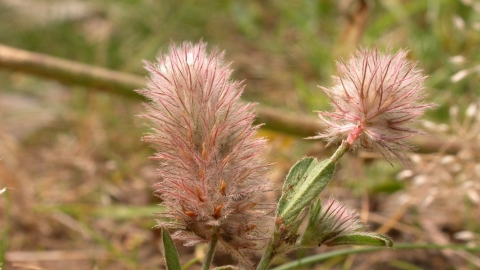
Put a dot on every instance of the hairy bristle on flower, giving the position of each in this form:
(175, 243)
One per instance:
(210, 164)
(337, 220)
(375, 98)
(330, 219)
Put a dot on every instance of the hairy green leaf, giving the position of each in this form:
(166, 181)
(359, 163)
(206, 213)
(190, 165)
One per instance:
(305, 181)
(362, 239)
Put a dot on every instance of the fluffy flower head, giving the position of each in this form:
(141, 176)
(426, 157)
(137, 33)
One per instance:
(208, 153)
(376, 97)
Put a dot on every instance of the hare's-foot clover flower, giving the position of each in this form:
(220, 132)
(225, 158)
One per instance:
(376, 97)
(209, 156)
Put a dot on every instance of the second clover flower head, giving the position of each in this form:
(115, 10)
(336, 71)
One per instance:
(376, 97)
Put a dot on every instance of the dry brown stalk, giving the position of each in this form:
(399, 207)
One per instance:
(92, 77)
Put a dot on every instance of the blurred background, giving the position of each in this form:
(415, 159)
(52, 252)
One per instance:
(79, 180)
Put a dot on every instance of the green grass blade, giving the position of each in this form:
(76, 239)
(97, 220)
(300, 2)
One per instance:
(6, 228)
(342, 252)
(171, 255)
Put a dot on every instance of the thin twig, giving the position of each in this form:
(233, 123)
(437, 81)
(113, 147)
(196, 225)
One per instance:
(92, 77)
(74, 73)
(354, 27)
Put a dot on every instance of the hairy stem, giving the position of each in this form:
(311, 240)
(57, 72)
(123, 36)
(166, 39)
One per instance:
(270, 252)
(340, 151)
(210, 252)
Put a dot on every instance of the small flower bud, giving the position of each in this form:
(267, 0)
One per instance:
(328, 220)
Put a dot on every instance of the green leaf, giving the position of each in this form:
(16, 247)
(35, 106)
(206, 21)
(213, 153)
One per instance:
(362, 239)
(171, 255)
(305, 181)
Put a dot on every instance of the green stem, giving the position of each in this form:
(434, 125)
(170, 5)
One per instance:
(327, 255)
(273, 245)
(210, 252)
(269, 254)
(340, 151)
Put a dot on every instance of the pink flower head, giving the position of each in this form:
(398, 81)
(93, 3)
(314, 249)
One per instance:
(209, 156)
(376, 97)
